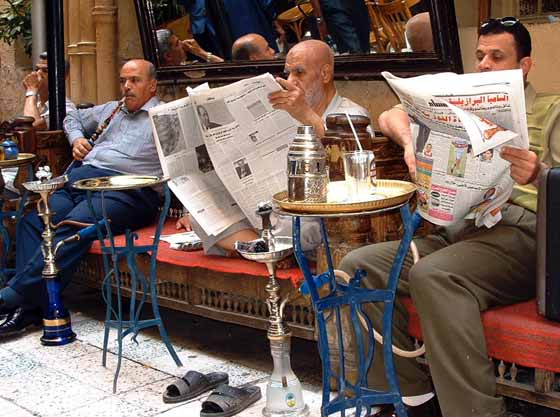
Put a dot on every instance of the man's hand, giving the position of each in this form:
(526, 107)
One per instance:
(525, 164)
(292, 100)
(80, 148)
(410, 160)
(192, 46)
(395, 124)
(32, 81)
(184, 223)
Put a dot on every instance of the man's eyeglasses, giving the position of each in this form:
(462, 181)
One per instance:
(507, 21)
(42, 68)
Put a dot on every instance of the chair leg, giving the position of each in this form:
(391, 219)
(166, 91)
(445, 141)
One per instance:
(161, 327)
(119, 324)
(107, 289)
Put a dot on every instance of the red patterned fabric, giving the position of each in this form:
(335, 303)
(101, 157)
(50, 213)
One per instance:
(197, 259)
(514, 333)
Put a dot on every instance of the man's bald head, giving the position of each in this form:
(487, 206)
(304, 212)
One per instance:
(318, 52)
(251, 47)
(419, 33)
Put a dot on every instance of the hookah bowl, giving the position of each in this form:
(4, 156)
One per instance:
(284, 397)
(57, 329)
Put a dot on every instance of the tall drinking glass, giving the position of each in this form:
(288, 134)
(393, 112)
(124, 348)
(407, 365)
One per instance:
(359, 174)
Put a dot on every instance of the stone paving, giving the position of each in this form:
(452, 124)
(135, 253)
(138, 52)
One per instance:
(69, 380)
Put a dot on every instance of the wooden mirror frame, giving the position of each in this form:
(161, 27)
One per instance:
(447, 55)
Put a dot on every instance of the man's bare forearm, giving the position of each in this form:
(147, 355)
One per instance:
(30, 108)
(395, 124)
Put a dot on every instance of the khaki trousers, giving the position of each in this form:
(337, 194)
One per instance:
(462, 272)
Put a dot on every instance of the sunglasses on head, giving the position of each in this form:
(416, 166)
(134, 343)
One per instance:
(507, 21)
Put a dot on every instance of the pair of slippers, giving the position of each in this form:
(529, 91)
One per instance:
(224, 401)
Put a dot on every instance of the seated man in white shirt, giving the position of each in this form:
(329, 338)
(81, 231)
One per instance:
(309, 96)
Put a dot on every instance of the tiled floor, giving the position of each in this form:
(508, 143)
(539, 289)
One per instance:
(70, 381)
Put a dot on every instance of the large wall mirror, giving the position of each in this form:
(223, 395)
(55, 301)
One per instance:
(368, 36)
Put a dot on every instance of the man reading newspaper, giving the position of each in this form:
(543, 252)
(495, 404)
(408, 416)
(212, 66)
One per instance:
(308, 96)
(465, 269)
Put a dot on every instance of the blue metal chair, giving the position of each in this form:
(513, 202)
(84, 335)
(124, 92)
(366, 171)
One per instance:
(356, 395)
(112, 254)
(5, 272)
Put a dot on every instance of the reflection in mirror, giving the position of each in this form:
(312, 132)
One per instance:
(201, 32)
(190, 31)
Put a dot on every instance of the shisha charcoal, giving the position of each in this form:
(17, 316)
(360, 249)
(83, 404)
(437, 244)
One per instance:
(258, 246)
(263, 207)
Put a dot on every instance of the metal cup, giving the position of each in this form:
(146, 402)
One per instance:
(359, 173)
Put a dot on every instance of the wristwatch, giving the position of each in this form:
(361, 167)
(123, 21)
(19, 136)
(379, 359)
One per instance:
(208, 56)
(30, 93)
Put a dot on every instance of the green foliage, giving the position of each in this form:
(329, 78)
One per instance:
(165, 10)
(15, 21)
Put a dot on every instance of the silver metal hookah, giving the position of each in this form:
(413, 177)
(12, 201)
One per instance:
(284, 397)
(57, 329)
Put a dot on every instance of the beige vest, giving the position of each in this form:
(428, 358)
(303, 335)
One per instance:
(540, 121)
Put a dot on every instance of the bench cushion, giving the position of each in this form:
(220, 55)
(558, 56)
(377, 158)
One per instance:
(197, 259)
(514, 333)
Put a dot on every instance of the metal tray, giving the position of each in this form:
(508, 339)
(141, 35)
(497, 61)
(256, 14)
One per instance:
(392, 192)
(22, 159)
(118, 182)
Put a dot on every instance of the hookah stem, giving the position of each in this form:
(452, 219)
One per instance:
(102, 126)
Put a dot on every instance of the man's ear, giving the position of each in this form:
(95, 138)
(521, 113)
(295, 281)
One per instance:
(326, 73)
(153, 86)
(525, 64)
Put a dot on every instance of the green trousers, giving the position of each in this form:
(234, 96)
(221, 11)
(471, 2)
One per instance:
(463, 271)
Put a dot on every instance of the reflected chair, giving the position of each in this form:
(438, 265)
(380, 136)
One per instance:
(393, 17)
(293, 18)
(378, 40)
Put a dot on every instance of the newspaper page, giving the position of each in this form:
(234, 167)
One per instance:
(247, 139)
(185, 160)
(459, 123)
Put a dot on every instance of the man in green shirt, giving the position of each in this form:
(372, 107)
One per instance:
(464, 270)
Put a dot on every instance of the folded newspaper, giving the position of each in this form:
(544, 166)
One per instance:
(459, 124)
(224, 150)
(185, 241)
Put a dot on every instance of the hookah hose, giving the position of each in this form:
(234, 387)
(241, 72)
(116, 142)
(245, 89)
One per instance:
(344, 277)
(100, 129)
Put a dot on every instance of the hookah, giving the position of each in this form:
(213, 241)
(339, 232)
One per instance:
(284, 397)
(57, 329)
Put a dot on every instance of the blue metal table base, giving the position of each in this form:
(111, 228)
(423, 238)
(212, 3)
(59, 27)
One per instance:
(114, 318)
(355, 395)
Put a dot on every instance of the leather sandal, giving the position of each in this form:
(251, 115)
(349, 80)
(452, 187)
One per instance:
(226, 401)
(192, 385)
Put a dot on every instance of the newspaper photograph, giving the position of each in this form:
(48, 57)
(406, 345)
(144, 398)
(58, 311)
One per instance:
(185, 160)
(459, 124)
(247, 139)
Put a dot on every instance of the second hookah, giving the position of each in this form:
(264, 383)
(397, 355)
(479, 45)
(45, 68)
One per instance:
(57, 329)
(284, 397)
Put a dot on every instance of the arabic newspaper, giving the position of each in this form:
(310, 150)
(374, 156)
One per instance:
(225, 150)
(459, 123)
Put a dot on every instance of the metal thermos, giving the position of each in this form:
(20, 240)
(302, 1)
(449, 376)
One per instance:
(308, 173)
